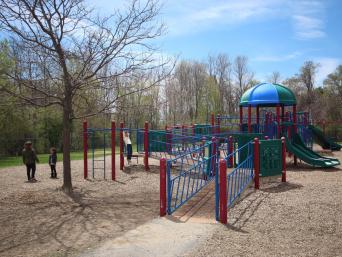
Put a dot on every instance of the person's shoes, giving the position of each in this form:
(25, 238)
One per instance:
(33, 180)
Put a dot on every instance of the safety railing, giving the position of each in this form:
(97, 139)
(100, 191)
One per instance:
(188, 173)
(229, 187)
(241, 176)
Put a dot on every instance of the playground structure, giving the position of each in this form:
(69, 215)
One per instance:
(232, 151)
(115, 135)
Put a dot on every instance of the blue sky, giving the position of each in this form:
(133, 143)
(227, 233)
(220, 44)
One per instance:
(276, 35)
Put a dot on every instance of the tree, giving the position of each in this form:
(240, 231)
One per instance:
(242, 74)
(307, 75)
(79, 52)
(333, 86)
(220, 68)
(334, 81)
(275, 77)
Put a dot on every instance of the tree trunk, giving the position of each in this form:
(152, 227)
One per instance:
(67, 185)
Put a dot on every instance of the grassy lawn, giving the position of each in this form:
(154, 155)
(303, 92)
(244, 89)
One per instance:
(44, 158)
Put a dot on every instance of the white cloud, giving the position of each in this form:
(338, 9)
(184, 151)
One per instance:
(307, 17)
(193, 16)
(308, 20)
(327, 66)
(276, 58)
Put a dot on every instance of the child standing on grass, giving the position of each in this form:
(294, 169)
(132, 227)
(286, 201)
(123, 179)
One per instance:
(128, 144)
(52, 162)
(29, 159)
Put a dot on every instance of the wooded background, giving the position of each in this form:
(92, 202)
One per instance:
(129, 86)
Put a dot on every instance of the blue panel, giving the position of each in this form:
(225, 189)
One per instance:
(264, 93)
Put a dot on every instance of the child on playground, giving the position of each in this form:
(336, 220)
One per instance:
(128, 144)
(52, 162)
(29, 159)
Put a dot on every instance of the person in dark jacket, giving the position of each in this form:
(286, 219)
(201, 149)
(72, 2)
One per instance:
(53, 161)
(29, 159)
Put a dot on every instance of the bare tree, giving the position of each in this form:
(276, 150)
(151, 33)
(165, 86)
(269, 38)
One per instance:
(242, 74)
(224, 70)
(307, 74)
(275, 77)
(199, 76)
(307, 77)
(85, 54)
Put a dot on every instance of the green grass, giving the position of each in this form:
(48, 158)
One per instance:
(44, 158)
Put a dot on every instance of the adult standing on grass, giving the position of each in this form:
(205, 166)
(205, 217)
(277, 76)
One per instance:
(29, 159)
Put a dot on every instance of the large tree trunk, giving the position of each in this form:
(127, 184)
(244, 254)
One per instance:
(67, 185)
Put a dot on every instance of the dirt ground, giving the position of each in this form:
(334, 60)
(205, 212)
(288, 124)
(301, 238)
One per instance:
(302, 217)
(37, 219)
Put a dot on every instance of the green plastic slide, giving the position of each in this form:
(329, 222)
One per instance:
(298, 148)
(323, 141)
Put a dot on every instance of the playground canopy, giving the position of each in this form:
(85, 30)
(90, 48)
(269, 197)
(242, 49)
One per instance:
(268, 94)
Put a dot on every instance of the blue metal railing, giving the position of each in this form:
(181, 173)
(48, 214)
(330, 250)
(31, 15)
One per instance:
(192, 172)
(242, 175)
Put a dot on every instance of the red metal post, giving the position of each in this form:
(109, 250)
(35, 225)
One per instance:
(122, 164)
(223, 192)
(146, 146)
(258, 118)
(283, 173)
(85, 149)
(213, 157)
(256, 163)
(282, 118)
(294, 128)
(230, 151)
(249, 119)
(241, 117)
(287, 118)
(113, 149)
(218, 123)
(278, 121)
(162, 187)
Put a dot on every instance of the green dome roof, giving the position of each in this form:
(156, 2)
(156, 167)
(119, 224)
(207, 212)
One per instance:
(268, 94)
